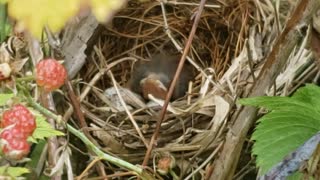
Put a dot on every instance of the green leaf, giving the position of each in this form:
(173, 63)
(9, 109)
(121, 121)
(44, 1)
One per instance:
(43, 130)
(13, 171)
(4, 98)
(36, 164)
(290, 122)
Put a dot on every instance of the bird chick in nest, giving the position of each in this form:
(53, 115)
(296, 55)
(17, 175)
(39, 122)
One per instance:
(154, 77)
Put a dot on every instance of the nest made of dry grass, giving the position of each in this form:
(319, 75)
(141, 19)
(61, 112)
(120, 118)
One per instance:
(194, 126)
(139, 31)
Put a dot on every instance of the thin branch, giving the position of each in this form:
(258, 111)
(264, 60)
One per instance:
(173, 83)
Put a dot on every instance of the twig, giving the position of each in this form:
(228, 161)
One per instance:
(180, 49)
(191, 4)
(173, 83)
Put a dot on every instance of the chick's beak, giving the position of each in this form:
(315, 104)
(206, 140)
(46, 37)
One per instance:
(153, 86)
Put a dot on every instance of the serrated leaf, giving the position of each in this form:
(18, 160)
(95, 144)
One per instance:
(13, 171)
(290, 122)
(4, 98)
(43, 130)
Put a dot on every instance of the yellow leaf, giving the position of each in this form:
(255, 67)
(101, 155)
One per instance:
(35, 14)
(104, 9)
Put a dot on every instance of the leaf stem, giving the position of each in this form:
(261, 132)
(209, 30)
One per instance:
(119, 162)
(26, 78)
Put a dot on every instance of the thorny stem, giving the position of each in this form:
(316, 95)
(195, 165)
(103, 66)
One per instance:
(119, 162)
(25, 78)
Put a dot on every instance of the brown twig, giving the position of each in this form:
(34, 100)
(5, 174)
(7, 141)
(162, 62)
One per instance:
(173, 83)
(76, 106)
(79, 114)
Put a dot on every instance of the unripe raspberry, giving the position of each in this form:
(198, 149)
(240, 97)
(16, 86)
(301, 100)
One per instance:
(21, 117)
(165, 164)
(50, 74)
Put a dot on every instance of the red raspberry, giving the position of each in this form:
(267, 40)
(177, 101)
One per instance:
(13, 132)
(21, 117)
(50, 74)
(14, 143)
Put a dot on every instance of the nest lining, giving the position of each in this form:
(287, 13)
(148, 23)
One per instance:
(193, 126)
(138, 32)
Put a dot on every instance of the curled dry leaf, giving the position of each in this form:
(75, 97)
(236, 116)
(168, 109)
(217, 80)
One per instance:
(9, 64)
(18, 65)
(205, 87)
(63, 159)
(4, 53)
(298, 58)
(222, 111)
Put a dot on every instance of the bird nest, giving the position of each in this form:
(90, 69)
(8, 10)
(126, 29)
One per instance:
(195, 125)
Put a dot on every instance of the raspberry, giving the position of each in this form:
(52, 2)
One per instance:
(21, 117)
(14, 143)
(50, 74)
(13, 132)
(18, 123)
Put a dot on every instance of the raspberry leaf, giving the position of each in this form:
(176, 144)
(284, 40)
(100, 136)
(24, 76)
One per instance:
(13, 171)
(290, 122)
(43, 130)
(4, 98)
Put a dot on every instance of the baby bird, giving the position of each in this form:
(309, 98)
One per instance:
(154, 77)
